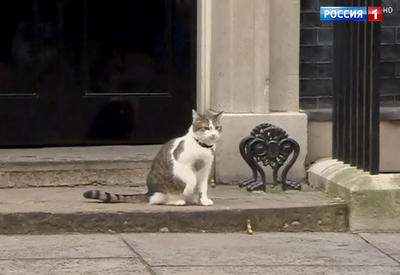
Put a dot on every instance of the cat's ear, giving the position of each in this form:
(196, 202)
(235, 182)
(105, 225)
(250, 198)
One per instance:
(218, 115)
(195, 115)
(213, 113)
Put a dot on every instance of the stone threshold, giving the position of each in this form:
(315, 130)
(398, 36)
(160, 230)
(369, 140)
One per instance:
(74, 166)
(77, 154)
(374, 200)
(60, 210)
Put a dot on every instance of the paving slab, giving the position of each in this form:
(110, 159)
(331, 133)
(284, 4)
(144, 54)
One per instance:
(196, 253)
(262, 249)
(73, 266)
(58, 210)
(70, 246)
(281, 270)
(388, 243)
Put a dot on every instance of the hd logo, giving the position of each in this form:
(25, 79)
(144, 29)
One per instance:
(351, 13)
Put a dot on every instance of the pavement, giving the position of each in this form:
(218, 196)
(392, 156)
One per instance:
(200, 253)
(63, 209)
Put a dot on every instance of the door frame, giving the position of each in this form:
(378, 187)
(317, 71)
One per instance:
(203, 74)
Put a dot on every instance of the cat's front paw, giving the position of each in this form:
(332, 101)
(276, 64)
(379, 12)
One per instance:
(206, 201)
(180, 202)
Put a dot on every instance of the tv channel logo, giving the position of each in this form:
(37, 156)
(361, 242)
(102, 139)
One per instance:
(375, 14)
(351, 14)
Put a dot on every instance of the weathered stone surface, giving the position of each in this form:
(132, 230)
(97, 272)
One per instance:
(103, 174)
(70, 246)
(374, 201)
(4, 180)
(266, 249)
(67, 254)
(126, 266)
(76, 153)
(75, 166)
(273, 270)
(388, 243)
(50, 210)
(207, 253)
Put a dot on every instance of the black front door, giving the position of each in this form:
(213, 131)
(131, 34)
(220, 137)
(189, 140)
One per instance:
(85, 72)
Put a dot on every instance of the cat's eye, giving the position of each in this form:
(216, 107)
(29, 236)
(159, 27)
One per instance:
(205, 128)
(218, 128)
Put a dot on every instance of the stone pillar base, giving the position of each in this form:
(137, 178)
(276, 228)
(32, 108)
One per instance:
(374, 201)
(231, 168)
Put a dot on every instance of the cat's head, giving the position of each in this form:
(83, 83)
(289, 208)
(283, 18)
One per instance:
(207, 128)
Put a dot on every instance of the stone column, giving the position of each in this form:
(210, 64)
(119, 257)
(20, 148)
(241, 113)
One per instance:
(254, 76)
(240, 56)
(285, 52)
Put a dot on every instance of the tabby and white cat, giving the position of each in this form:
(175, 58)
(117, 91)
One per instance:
(179, 173)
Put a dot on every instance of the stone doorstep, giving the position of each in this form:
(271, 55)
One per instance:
(75, 166)
(374, 200)
(59, 210)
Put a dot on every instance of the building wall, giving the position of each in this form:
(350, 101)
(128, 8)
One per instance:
(250, 70)
(320, 141)
(316, 69)
(316, 55)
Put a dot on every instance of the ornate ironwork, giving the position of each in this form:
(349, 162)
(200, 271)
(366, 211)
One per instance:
(271, 146)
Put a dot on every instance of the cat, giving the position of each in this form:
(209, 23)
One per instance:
(179, 173)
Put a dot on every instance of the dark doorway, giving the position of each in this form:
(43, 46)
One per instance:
(87, 72)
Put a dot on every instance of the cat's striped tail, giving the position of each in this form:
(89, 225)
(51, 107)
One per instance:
(110, 197)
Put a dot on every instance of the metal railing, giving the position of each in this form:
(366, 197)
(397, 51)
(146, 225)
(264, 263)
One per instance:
(356, 91)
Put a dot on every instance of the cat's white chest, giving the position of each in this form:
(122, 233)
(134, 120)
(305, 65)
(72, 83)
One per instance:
(193, 153)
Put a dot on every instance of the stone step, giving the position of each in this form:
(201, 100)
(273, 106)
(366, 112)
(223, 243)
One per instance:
(76, 166)
(63, 209)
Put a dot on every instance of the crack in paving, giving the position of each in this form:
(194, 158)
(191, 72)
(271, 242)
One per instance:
(141, 259)
(379, 249)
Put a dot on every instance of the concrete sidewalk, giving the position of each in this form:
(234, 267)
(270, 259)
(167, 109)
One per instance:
(200, 253)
